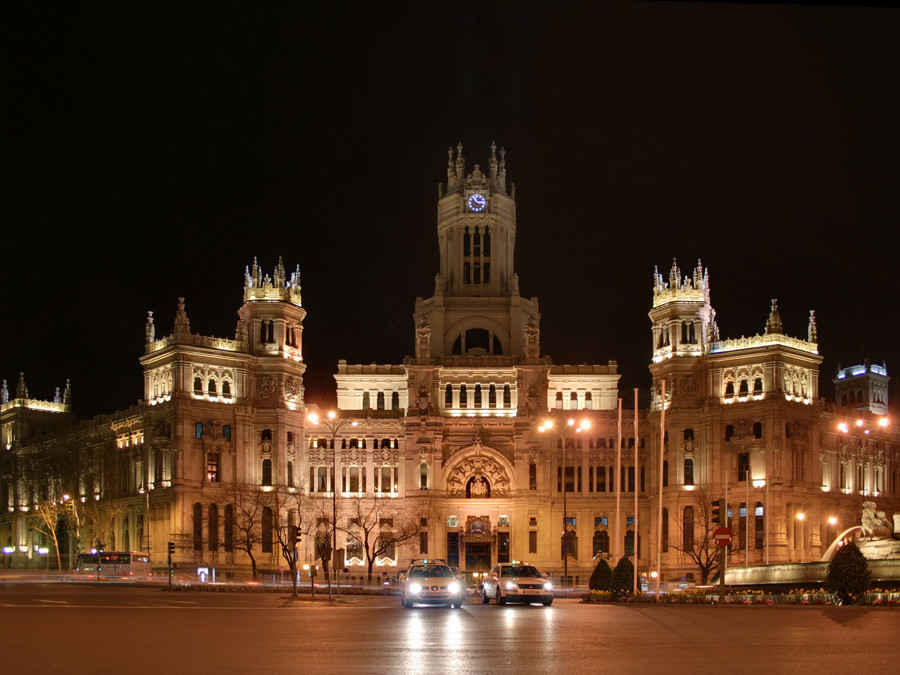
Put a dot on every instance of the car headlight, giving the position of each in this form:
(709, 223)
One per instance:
(548, 586)
(453, 587)
(415, 588)
(510, 586)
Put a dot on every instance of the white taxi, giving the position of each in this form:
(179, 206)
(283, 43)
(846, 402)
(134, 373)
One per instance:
(516, 582)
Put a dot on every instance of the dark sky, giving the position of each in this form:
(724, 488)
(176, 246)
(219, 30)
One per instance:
(152, 153)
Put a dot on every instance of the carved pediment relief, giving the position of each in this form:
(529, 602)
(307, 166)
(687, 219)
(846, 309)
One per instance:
(478, 476)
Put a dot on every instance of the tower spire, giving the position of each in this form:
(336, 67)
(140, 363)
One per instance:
(182, 324)
(773, 325)
(812, 331)
(21, 389)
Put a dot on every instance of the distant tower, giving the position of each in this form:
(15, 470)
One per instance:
(863, 387)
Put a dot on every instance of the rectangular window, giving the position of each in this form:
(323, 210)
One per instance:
(423, 543)
(467, 273)
(212, 467)
(503, 547)
(743, 466)
(198, 430)
(532, 476)
(226, 432)
(532, 541)
(322, 479)
(570, 479)
(354, 479)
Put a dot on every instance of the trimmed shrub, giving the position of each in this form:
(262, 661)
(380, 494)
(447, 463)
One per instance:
(622, 580)
(601, 576)
(848, 575)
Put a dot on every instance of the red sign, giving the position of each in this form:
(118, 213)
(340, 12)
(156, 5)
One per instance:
(722, 537)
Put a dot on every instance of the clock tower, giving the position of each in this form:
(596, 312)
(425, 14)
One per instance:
(476, 309)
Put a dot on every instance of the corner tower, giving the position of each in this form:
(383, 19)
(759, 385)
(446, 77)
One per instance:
(476, 309)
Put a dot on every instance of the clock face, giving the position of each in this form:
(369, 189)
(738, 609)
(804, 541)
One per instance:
(477, 202)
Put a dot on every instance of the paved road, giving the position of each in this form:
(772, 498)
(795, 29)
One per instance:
(83, 629)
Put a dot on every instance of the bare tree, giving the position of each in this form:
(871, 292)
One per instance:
(285, 505)
(378, 527)
(248, 503)
(49, 514)
(696, 541)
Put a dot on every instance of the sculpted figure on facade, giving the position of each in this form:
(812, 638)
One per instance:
(151, 329)
(424, 400)
(423, 340)
(532, 339)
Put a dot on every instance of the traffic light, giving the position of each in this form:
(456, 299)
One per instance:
(294, 535)
(717, 511)
(171, 547)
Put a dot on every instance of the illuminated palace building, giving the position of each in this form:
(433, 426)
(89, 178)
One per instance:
(463, 450)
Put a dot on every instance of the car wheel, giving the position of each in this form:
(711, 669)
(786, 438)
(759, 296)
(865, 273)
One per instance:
(499, 598)
(547, 601)
(484, 597)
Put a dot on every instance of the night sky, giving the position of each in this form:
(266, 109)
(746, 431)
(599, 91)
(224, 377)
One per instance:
(152, 151)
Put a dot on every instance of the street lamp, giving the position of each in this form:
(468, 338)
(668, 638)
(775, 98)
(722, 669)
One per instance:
(563, 434)
(334, 424)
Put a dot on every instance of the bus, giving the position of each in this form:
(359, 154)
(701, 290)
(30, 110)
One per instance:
(117, 564)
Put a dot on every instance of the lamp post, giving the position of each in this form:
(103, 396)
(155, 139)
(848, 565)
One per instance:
(563, 434)
(334, 424)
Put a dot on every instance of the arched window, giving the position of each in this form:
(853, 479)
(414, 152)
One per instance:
(211, 388)
(198, 386)
(267, 530)
(198, 526)
(463, 397)
(486, 243)
(588, 401)
(601, 542)
(476, 244)
(559, 400)
(492, 396)
(266, 472)
(477, 395)
(573, 401)
(757, 385)
(729, 389)
(213, 528)
(665, 530)
(395, 401)
(665, 475)
(729, 431)
(757, 430)
(448, 396)
(687, 528)
(366, 402)
(423, 476)
(226, 389)
(467, 243)
(744, 388)
(507, 397)
(380, 400)
(229, 528)
(266, 435)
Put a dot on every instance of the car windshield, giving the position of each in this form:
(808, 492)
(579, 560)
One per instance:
(524, 571)
(436, 571)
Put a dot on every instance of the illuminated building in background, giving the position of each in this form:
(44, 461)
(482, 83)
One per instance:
(442, 450)
(863, 387)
